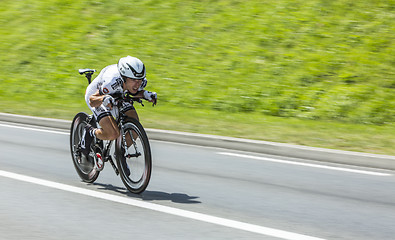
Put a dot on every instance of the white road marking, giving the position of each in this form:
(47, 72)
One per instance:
(164, 209)
(305, 164)
(33, 129)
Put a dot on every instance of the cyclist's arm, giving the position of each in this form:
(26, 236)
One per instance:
(96, 99)
(139, 94)
(109, 86)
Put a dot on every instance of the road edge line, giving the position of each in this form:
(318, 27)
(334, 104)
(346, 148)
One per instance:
(247, 145)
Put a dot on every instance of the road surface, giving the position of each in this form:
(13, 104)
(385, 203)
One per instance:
(195, 193)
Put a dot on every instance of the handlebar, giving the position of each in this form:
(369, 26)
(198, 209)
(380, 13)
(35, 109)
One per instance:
(126, 97)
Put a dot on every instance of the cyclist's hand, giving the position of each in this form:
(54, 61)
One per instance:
(108, 101)
(151, 97)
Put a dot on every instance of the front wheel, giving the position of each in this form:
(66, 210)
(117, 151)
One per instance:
(85, 166)
(133, 156)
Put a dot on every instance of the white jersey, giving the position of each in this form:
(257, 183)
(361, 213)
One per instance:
(109, 81)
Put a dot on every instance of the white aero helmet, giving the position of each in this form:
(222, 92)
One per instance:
(131, 67)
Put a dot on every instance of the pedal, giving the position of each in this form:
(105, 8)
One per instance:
(133, 155)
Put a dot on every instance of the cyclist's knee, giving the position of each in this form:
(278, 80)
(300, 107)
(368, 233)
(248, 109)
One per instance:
(107, 134)
(115, 134)
(133, 114)
(112, 134)
(109, 129)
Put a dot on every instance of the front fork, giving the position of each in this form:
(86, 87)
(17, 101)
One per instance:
(125, 144)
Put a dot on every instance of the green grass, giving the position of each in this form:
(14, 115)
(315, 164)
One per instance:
(318, 73)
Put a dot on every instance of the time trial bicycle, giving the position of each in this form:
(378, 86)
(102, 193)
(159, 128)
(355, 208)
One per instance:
(132, 152)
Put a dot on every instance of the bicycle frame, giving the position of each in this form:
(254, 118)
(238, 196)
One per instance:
(106, 156)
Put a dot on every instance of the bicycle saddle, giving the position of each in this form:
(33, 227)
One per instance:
(86, 70)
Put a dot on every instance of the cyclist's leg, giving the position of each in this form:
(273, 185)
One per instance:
(89, 132)
(133, 114)
(109, 129)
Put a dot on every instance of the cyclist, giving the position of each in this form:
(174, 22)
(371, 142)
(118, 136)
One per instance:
(128, 75)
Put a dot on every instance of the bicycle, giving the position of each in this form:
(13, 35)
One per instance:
(133, 161)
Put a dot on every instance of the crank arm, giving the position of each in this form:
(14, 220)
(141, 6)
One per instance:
(109, 158)
(133, 155)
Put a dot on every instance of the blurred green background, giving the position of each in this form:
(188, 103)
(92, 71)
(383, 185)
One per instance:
(317, 72)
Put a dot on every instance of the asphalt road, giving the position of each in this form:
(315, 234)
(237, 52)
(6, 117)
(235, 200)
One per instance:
(195, 193)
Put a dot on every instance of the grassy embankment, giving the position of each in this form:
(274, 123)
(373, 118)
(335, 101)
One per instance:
(318, 73)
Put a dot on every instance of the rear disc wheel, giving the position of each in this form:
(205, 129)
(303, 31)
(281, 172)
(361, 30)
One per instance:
(85, 166)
